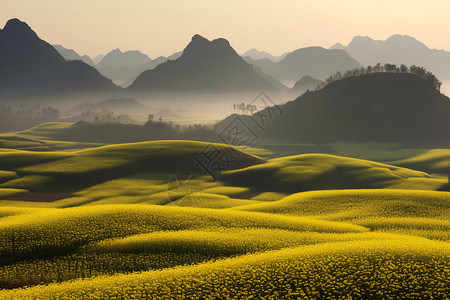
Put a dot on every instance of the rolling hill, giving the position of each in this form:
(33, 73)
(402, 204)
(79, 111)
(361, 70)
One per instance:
(377, 107)
(32, 67)
(321, 172)
(303, 84)
(142, 221)
(41, 171)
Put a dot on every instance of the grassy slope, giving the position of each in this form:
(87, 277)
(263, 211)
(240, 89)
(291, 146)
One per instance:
(355, 204)
(12, 141)
(422, 213)
(433, 161)
(108, 162)
(43, 137)
(330, 270)
(41, 244)
(61, 230)
(376, 151)
(159, 155)
(321, 171)
(46, 131)
(5, 192)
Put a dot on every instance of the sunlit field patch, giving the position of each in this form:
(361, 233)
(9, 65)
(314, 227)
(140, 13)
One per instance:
(6, 192)
(433, 161)
(206, 200)
(7, 175)
(361, 270)
(356, 204)
(319, 171)
(140, 221)
(270, 196)
(29, 182)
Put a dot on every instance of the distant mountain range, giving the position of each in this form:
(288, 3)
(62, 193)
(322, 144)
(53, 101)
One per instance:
(380, 107)
(118, 105)
(337, 46)
(255, 55)
(317, 62)
(119, 59)
(204, 67)
(399, 49)
(120, 66)
(70, 54)
(148, 66)
(98, 58)
(124, 67)
(32, 67)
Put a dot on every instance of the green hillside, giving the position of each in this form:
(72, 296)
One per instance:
(142, 220)
(321, 171)
(87, 167)
(433, 161)
(329, 270)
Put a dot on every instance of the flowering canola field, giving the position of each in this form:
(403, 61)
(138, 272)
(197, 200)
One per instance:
(300, 227)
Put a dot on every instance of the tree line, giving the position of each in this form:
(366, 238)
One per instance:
(15, 118)
(386, 68)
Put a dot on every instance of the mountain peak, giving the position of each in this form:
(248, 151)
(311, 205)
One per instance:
(205, 66)
(221, 42)
(14, 23)
(362, 38)
(198, 38)
(337, 46)
(405, 40)
(197, 42)
(17, 27)
(31, 66)
(400, 36)
(116, 51)
(200, 46)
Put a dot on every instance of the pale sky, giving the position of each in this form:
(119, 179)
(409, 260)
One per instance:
(162, 27)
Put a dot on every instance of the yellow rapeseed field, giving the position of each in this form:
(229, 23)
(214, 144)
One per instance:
(141, 221)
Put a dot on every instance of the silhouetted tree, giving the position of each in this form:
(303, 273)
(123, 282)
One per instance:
(378, 68)
(403, 68)
(390, 68)
(419, 71)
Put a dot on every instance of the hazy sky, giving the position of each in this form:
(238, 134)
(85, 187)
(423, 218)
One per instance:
(161, 27)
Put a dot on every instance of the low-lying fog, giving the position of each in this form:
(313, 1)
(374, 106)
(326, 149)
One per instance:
(179, 109)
